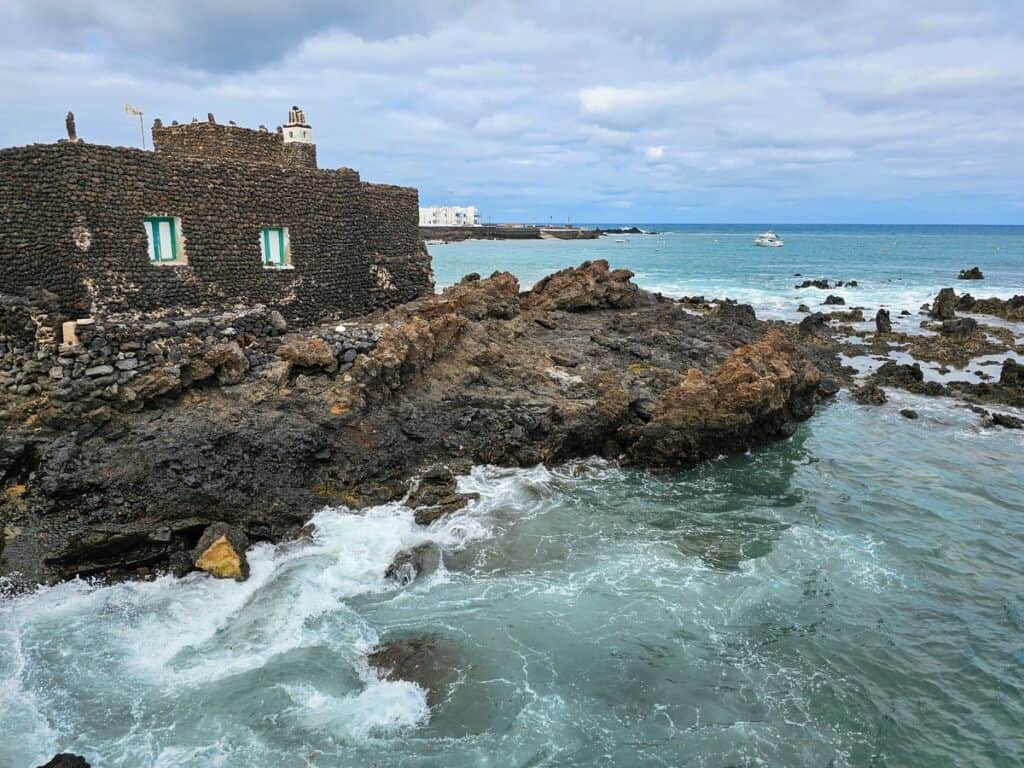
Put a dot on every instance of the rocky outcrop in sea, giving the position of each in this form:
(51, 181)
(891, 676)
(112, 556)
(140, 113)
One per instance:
(586, 363)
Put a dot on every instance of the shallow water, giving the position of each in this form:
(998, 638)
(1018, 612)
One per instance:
(851, 596)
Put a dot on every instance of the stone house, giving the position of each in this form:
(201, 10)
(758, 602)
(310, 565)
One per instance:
(216, 215)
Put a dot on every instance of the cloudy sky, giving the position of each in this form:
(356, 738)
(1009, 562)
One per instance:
(760, 111)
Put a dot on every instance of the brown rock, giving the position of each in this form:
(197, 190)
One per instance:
(229, 361)
(277, 321)
(197, 370)
(277, 372)
(592, 285)
(308, 353)
(497, 296)
(760, 391)
(153, 384)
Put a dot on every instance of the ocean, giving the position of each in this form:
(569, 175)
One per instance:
(851, 596)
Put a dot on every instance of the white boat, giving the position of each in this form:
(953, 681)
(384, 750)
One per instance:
(769, 240)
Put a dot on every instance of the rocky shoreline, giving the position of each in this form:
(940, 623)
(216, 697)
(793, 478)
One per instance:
(247, 427)
(260, 435)
(204, 443)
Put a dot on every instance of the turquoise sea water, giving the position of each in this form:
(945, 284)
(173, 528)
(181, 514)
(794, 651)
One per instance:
(895, 266)
(852, 596)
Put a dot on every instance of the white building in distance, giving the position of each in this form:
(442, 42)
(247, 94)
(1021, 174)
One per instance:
(450, 216)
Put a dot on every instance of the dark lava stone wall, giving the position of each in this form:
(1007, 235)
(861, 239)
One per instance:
(220, 142)
(231, 142)
(80, 210)
(390, 240)
(295, 154)
(35, 206)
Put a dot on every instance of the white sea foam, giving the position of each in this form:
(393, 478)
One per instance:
(382, 707)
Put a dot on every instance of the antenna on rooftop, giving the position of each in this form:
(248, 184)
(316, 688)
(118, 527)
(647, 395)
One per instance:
(133, 112)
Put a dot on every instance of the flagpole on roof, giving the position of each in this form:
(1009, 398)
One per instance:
(132, 111)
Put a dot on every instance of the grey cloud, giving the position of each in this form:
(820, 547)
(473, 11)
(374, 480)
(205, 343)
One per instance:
(554, 108)
(227, 36)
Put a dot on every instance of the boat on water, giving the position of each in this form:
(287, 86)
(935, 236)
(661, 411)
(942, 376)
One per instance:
(769, 240)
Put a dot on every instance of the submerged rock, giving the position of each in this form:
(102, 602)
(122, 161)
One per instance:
(427, 514)
(435, 495)
(221, 552)
(1006, 421)
(833, 299)
(409, 564)
(909, 413)
(66, 760)
(431, 662)
(974, 273)
(726, 549)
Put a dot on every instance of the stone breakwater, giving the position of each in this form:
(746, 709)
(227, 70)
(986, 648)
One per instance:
(239, 421)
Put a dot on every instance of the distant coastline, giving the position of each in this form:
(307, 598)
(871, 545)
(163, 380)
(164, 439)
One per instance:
(520, 232)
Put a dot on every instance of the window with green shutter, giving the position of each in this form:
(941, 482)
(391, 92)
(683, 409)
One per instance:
(275, 247)
(163, 234)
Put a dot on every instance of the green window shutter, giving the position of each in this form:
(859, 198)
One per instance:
(272, 240)
(154, 233)
(172, 225)
(163, 248)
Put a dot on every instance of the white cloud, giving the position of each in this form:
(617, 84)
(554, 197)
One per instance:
(544, 108)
